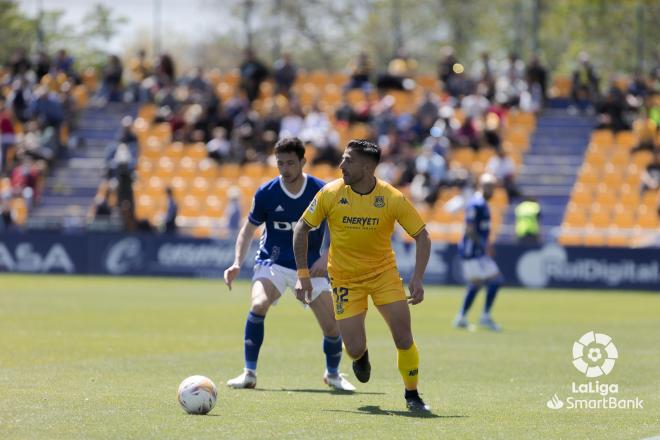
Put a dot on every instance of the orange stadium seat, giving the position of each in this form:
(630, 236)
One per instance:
(602, 138)
(599, 216)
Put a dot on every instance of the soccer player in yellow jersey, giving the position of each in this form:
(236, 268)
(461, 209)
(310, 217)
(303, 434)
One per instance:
(361, 211)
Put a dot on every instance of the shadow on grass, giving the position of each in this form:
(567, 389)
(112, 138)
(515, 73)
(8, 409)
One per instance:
(376, 410)
(314, 391)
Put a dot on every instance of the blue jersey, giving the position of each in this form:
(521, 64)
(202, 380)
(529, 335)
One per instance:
(477, 214)
(274, 205)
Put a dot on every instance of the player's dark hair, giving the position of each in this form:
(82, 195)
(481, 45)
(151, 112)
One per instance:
(290, 145)
(365, 149)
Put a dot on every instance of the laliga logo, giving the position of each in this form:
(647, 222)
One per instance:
(599, 351)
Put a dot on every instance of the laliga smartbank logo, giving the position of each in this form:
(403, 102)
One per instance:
(594, 355)
(599, 351)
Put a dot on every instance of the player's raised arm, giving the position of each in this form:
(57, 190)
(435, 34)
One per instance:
(242, 245)
(422, 254)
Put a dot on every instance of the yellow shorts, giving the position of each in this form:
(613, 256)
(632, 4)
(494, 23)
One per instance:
(350, 298)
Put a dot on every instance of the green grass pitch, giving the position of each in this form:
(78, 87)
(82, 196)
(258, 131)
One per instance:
(101, 358)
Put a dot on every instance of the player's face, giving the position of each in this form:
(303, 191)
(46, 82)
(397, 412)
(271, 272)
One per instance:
(352, 167)
(289, 166)
(487, 190)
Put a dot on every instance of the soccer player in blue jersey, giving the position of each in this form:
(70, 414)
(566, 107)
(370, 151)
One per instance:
(279, 204)
(478, 267)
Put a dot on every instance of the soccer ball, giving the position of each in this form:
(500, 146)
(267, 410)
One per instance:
(197, 394)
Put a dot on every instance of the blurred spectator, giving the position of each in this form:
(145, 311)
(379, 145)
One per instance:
(41, 65)
(219, 148)
(475, 104)
(651, 175)
(100, 209)
(19, 99)
(345, 114)
(317, 130)
(171, 212)
(483, 72)
(25, 180)
(468, 134)
(37, 141)
(63, 63)
(537, 76)
(493, 130)
(6, 216)
(7, 135)
(46, 107)
(111, 86)
(360, 71)
(400, 72)
(611, 111)
(19, 63)
(232, 216)
(165, 70)
(446, 69)
(528, 221)
(645, 130)
(427, 112)
(431, 169)
(196, 82)
(502, 167)
(584, 88)
(292, 122)
(124, 166)
(253, 73)
(139, 69)
(284, 74)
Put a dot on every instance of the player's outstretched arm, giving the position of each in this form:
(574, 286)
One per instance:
(242, 245)
(304, 284)
(422, 254)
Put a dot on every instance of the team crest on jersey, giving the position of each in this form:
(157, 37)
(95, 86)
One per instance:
(343, 201)
(379, 201)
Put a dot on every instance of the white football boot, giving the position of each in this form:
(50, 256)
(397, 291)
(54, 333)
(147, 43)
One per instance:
(246, 380)
(338, 382)
(488, 323)
(462, 323)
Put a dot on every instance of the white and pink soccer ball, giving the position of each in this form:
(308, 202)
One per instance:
(197, 394)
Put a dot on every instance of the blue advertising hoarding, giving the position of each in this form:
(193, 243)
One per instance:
(167, 255)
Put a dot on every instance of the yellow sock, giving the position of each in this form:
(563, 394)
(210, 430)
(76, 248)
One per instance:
(408, 363)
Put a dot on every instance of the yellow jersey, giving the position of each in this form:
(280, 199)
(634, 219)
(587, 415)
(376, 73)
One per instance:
(361, 227)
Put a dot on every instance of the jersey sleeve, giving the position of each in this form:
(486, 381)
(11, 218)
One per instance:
(257, 213)
(408, 217)
(316, 212)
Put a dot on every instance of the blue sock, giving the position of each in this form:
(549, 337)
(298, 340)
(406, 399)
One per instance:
(491, 293)
(254, 336)
(470, 294)
(332, 349)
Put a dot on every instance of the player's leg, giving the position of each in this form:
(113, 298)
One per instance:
(493, 283)
(471, 291)
(390, 299)
(471, 273)
(354, 335)
(351, 304)
(322, 307)
(264, 294)
(397, 317)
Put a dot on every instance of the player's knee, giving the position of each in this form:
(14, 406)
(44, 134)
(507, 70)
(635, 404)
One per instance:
(403, 338)
(355, 351)
(260, 306)
(330, 330)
